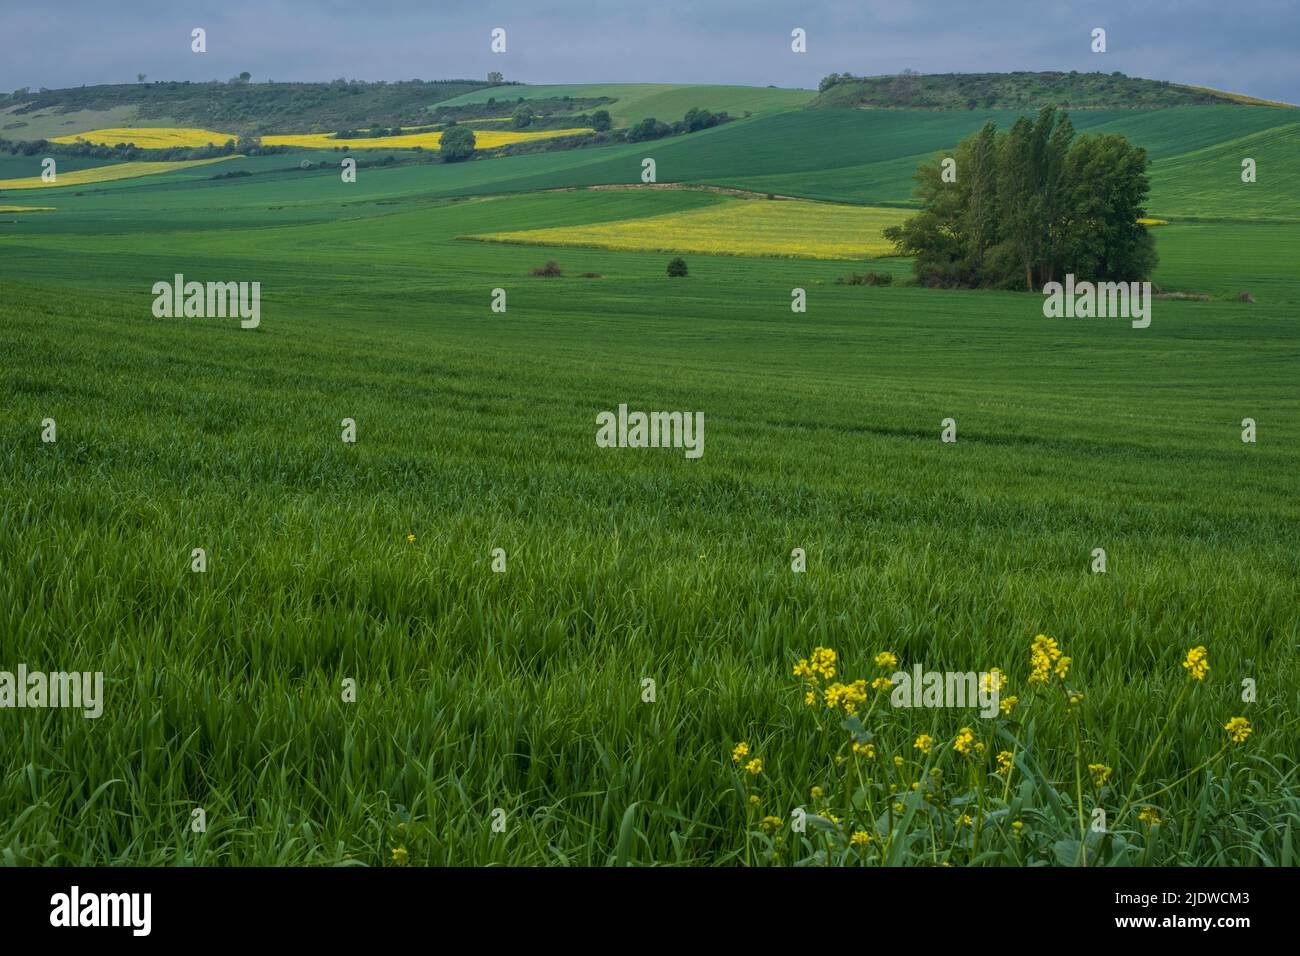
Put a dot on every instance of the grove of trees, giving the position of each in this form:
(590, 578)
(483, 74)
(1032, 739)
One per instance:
(1024, 207)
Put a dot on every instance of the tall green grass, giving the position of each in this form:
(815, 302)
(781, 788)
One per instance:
(523, 691)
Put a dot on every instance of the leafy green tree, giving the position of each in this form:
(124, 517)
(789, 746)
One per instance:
(601, 121)
(677, 267)
(457, 144)
(522, 117)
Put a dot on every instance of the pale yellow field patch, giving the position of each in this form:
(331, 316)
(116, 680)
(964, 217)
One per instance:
(27, 209)
(166, 137)
(105, 174)
(151, 137)
(739, 227)
(484, 139)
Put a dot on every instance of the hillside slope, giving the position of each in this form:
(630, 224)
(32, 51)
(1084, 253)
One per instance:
(1018, 90)
(238, 106)
(663, 101)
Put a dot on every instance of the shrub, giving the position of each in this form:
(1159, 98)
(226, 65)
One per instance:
(677, 267)
(551, 270)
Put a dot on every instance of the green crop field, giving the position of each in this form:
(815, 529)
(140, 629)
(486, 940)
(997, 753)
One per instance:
(649, 616)
(665, 101)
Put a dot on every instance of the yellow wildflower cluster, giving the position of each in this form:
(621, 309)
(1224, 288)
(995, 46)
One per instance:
(1045, 660)
(848, 697)
(1100, 774)
(820, 665)
(1006, 759)
(1197, 662)
(965, 742)
(923, 743)
(1238, 729)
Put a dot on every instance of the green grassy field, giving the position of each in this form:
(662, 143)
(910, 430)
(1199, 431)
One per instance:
(523, 691)
(664, 101)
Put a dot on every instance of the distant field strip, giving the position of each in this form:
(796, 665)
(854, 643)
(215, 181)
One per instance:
(484, 139)
(166, 137)
(26, 209)
(150, 137)
(105, 174)
(756, 227)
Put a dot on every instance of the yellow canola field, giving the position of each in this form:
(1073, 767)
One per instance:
(105, 174)
(150, 137)
(739, 227)
(484, 139)
(26, 209)
(165, 137)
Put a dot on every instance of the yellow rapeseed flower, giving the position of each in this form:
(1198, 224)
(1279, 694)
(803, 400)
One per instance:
(817, 793)
(753, 799)
(399, 855)
(860, 838)
(1043, 653)
(410, 538)
(770, 824)
(1239, 729)
(823, 661)
(923, 743)
(1006, 760)
(1100, 774)
(882, 683)
(1007, 704)
(740, 752)
(754, 767)
(1149, 816)
(886, 659)
(865, 750)
(1197, 662)
(965, 741)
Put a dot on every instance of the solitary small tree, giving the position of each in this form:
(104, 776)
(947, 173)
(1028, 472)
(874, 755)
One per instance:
(677, 267)
(139, 77)
(457, 143)
(522, 116)
(601, 121)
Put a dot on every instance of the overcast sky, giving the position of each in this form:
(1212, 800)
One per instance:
(1251, 46)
